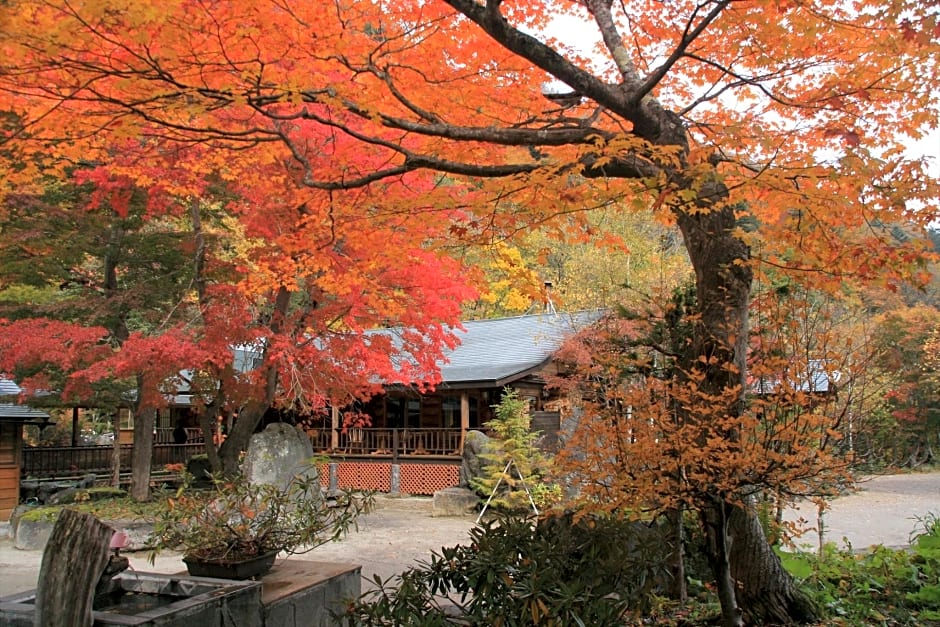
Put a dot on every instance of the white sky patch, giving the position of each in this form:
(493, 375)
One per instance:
(576, 32)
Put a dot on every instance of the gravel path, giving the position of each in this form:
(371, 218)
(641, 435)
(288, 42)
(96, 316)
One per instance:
(394, 536)
(885, 510)
(401, 531)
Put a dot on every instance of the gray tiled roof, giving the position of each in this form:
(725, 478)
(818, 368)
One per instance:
(491, 352)
(815, 379)
(500, 350)
(15, 411)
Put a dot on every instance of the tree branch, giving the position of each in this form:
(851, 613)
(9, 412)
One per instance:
(687, 38)
(650, 120)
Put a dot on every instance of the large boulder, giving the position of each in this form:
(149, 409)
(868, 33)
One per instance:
(455, 502)
(472, 466)
(278, 454)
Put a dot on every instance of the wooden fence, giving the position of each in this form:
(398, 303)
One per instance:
(67, 461)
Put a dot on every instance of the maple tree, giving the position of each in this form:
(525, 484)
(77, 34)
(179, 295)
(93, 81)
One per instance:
(720, 115)
(142, 307)
(303, 341)
(88, 298)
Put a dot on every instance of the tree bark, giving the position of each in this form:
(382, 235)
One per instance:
(250, 416)
(715, 519)
(237, 439)
(142, 454)
(207, 423)
(678, 588)
(766, 592)
(72, 563)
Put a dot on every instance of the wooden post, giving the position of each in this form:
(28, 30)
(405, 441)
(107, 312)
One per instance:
(72, 563)
(464, 418)
(334, 432)
(75, 428)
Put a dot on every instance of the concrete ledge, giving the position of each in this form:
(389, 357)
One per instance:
(300, 593)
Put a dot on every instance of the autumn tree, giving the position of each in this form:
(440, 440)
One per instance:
(640, 446)
(715, 114)
(91, 290)
(512, 284)
(304, 342)
(623, 258)
(907, 339)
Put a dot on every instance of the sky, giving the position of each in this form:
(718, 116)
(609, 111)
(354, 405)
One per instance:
(581, 34)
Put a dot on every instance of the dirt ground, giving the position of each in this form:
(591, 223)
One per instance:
(401, 531)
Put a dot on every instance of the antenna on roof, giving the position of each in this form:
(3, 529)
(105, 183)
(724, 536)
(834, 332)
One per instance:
(549, 305)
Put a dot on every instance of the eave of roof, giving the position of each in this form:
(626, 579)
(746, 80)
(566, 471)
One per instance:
(15, 412)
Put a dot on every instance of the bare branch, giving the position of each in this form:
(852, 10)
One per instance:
(687, 38)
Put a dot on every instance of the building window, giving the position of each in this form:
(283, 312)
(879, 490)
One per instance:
(164, 418)
(402, 412)
(125, 419)
(450, 412)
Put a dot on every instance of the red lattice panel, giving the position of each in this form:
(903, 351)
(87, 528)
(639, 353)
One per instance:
(428, 478)
(324, 470)
(365, 476)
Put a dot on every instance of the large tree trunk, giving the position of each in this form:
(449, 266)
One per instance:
(238, 437)
(207, 423)
(762, 590)
(250, 416)
(766, 592)
(142, 455)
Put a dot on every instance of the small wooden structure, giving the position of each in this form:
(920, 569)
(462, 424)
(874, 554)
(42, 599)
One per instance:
(13, 416)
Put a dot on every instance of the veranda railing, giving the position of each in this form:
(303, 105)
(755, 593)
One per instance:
(387, 442)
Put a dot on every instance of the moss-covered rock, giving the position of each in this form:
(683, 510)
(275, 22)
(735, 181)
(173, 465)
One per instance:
(80, 495)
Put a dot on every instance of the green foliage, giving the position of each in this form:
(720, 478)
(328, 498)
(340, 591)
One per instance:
(237, 519)
(559, 571)
(513, 445)
(879, 587)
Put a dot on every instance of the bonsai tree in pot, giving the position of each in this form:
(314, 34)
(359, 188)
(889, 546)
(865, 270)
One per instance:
(235, 529)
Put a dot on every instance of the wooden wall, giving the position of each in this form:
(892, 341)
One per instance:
(11, 441)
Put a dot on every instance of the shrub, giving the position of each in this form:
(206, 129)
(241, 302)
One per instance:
(882, 586)
(237, 519)
(558, 571)
(514, 468)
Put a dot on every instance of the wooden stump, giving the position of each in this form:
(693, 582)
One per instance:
(72, 563)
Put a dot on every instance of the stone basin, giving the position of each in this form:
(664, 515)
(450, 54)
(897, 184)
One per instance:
(137, 598)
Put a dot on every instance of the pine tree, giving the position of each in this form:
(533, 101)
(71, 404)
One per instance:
(514, 469)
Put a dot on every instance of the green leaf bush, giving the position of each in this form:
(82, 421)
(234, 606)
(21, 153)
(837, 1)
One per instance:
(880, 586)
(235, 519)
(560, 570)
